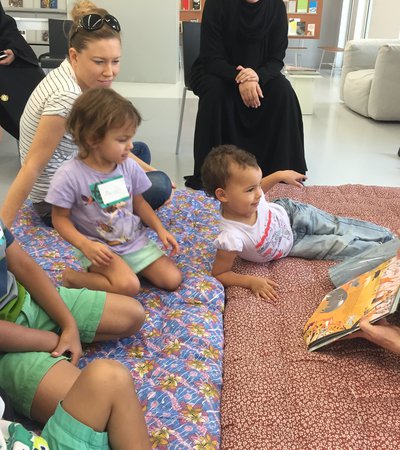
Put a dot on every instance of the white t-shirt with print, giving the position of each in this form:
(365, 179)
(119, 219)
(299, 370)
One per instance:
(269, 238)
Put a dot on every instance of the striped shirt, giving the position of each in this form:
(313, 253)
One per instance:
(54, 96)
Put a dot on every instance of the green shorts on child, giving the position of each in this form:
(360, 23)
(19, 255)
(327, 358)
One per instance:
(63, 432)
(21, 372)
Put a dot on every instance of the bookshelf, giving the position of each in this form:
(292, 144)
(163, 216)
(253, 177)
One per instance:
(303, 23)
(191, 10)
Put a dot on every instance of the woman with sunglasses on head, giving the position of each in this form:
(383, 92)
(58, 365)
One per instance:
(93, 61)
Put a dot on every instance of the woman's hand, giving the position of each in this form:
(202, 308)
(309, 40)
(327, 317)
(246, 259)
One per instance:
(168, 241)
(382, 333)
(97, 253)
(70, 343)
(246, 74)
(8, 59)
(251, 93)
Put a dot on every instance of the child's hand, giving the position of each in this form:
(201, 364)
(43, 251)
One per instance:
(97, 253)
(293, 178)
(264, 288)
(69, 342)
(168, 241)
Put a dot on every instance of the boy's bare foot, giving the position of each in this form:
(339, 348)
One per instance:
(66, 277)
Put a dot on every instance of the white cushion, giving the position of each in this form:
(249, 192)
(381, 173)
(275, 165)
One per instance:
(384, 100)
(356, 91)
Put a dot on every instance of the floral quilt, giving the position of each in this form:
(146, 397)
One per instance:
(176, 359)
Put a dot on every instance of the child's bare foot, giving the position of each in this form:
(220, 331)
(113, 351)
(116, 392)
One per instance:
(66, 277)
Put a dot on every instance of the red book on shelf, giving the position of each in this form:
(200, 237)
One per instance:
(185, 4)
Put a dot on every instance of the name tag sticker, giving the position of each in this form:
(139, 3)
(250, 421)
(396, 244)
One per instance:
(109, 192)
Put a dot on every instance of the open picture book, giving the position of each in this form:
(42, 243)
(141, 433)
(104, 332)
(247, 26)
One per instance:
(374, 294)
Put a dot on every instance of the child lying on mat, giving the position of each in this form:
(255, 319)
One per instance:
(98, 204)
(261, 231)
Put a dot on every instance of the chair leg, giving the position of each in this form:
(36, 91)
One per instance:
(322, 59)
(178, 138)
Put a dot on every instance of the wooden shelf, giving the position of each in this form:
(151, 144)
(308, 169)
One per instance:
(308, 19)
(186, 15)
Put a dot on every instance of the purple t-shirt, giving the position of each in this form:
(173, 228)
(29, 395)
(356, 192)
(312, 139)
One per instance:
(75, 186)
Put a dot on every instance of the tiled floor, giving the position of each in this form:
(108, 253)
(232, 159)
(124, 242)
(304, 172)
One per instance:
(341, 146)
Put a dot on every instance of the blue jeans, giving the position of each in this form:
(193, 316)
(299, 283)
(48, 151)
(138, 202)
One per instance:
(365, 261)
(161, 186)
(320, 235)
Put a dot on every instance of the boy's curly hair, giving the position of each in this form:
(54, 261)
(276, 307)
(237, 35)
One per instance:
(215, 172)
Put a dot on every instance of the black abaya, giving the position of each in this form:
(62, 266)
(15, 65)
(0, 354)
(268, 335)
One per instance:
(19, 79)
(254, 35)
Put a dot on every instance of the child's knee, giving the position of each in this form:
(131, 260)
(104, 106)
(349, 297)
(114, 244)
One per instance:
(105, 372)
(135, 319)
(174, 280)
(128, 285)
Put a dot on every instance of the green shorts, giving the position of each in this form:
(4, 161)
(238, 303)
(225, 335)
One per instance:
(21, 373)
(137, 261)
(63, 432)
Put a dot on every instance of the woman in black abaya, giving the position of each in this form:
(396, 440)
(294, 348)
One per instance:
(243, 97)
(19, 74)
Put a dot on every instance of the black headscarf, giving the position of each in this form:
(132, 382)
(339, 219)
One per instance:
(253, 20)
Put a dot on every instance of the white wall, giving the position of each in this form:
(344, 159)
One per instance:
(384, 19)
(149, 39)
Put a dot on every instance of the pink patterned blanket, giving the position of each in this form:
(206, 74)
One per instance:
(277, 395)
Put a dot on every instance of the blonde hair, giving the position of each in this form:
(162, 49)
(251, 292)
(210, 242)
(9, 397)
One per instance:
(79, 37)
(94, 113)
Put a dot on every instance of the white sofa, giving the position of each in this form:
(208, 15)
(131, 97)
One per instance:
(370, 80)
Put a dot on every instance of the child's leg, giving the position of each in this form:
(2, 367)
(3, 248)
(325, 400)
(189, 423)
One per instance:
(163, 273)
(321, 235)
(53, 387)
(117, 277)
(104, 399)
(122, 317)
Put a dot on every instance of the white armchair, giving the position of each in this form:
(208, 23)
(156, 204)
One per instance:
(370, 81)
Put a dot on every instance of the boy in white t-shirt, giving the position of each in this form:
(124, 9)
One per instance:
(261, 231)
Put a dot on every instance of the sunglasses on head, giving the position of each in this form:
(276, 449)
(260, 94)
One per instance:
(93, 22)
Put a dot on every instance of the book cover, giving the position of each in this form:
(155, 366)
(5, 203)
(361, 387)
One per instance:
(312, 9)
(310, 29)
(185, 4)
(291, 8)
(293, 26)
(196, 5)
(302, 6)
(301, 28)
(374, 294)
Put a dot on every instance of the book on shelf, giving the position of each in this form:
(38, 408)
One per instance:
(300, 28)
(196, 5)
(16, 3)
(310, 29)
(312, 7)
(48, 4)
(374, 294)
(292, 31)
(302, 6)
(291, 6)
(185, 4)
